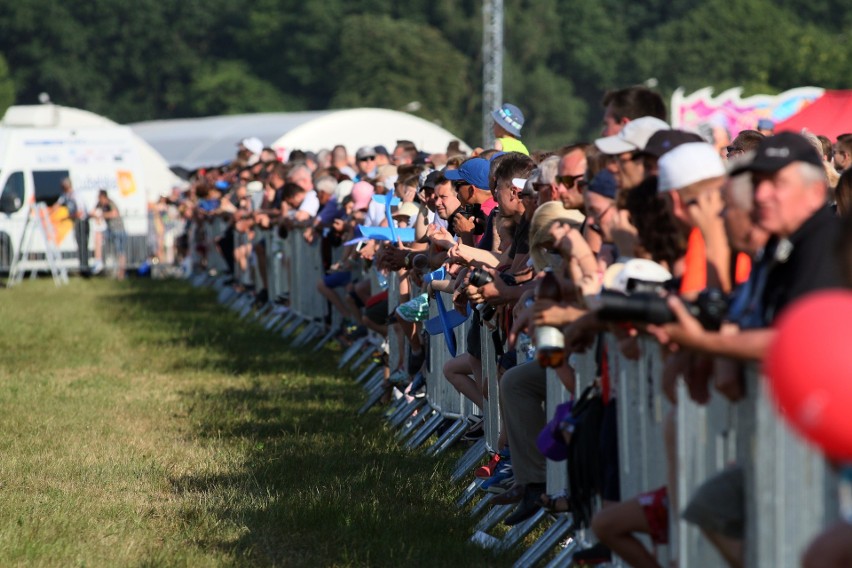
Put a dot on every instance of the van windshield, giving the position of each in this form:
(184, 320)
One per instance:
(47, 185)
(12, 197)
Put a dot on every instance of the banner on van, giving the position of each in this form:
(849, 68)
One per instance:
(126, 183)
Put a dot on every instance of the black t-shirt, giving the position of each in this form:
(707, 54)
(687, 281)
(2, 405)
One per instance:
(521, 239)
(803, 263)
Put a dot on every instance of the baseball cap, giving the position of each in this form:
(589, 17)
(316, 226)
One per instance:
(430, 180)
(365, 152)
(765, 124)
(636, 269)
(603, 184)
(343, 189)
(662, 141)
(362, 194)
(634, 136)
(252, 144)
(381, 150)
(474, 171)
(689, 163)
(776, 152)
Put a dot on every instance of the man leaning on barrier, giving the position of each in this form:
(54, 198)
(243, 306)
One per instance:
(790, 205)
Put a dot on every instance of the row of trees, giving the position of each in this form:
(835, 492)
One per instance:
(152, 59)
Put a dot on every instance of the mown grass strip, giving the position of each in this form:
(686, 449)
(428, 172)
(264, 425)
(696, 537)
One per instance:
(140, 424)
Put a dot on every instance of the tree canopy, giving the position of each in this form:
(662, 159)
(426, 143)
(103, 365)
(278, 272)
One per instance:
(150, 59)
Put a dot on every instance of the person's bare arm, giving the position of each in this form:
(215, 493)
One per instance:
(688, 333)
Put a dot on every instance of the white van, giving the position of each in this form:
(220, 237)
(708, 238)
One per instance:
(33, 162)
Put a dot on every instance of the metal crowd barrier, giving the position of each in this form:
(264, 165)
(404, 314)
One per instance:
(791, 493)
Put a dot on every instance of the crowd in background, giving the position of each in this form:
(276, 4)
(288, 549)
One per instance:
(698, 239)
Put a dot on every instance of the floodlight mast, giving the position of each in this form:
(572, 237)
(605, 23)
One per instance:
(492, 65)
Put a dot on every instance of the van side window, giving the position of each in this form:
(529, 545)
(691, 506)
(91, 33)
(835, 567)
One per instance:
(47, 186)
(12, 197)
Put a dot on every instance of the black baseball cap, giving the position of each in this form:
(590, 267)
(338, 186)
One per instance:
(781, 150)
(662, 141)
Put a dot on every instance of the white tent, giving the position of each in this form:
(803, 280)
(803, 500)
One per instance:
(158, 177)
(196, 142)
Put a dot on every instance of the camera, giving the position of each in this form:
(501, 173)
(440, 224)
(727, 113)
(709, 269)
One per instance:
(473, 211)
(649, 307)
(479, 278)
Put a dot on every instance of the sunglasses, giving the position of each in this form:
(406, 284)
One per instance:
(367, 159)
(570, 181)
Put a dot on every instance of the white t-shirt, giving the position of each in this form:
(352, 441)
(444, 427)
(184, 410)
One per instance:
(310, 204)
(375, 214)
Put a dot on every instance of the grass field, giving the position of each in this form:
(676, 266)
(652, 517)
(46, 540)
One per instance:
(142, 425)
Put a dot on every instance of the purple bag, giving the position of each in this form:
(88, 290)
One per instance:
(550, 441)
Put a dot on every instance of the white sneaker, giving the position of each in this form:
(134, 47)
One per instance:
(97, 267)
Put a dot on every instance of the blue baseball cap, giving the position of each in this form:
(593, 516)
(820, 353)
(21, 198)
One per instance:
(604, 184)
(474, 171)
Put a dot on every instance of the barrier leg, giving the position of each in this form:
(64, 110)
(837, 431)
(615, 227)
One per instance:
(472, 457)
(366, 372)
(519, 531)
(406, 411)
(427, 430)
(449, 437)
(566, 556)
(496, 514)
(350, 352)
(555, 532)
(452, 435)
(411, 426)
(375, 396)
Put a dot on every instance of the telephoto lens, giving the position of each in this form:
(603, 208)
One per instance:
(478, 277)
(420, 263)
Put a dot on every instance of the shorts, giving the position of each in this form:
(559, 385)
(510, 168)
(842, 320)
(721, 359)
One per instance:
(655, 506)
(610, 488)
(337, 279)
(118, 239)
(718, 505)
(377, 308)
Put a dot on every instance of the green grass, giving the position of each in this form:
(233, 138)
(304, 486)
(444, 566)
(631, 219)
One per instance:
(143, 425)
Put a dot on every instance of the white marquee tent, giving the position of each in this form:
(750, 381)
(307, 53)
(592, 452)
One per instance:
(196, 142)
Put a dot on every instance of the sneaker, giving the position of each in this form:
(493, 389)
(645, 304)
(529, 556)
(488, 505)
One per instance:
(598, 554)
(97, 267)
(486, 471)
(502, 487)
(417, 388)
(414, 310)
(502, 479)
(475, 432)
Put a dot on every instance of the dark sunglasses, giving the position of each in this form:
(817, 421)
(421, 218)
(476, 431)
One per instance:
(367, 159)
(569, 181)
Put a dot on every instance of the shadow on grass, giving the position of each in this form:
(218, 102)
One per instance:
(315, 484)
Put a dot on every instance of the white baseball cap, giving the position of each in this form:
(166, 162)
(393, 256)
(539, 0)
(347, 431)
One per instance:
(688, 164)
(253, 145)
(634, 136)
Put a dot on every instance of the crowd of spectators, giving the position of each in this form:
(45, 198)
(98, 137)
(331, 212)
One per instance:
(643, 218)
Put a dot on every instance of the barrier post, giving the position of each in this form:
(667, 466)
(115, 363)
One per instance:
(792, 492)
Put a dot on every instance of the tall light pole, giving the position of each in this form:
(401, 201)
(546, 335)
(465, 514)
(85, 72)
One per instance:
(492, 65)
